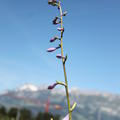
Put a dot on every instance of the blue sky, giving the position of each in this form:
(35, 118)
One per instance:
(91, 40)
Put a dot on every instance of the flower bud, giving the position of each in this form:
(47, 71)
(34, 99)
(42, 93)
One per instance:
(54, 38)
(60, 29)
(58, 46)
(55, 21)
(59, 56)
(51, 49)
(52, 86)
(52, 2)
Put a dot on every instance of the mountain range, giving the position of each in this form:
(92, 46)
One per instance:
(90, 105)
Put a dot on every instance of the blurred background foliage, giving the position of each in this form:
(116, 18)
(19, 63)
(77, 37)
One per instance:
(24, 114)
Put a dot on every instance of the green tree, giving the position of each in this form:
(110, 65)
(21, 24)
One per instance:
(3, 112)
(25, 114)
(12, 113)
(39, 116)
(56, 117)
(47, 116)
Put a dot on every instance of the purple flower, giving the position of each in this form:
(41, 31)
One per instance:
(59, 56)
(58, 46)
(55, 21)
(51, 49)
(60, 29)
(52, 86)
(53, 39)
(66, 117)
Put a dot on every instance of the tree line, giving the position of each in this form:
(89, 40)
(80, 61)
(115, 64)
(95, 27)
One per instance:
(24, 114)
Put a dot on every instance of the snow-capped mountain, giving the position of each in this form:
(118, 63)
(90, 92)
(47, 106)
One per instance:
(90, 105)
(28, 87)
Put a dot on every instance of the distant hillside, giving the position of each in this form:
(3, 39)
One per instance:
(90, 105)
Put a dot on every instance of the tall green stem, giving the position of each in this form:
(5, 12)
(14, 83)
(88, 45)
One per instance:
(64, 69)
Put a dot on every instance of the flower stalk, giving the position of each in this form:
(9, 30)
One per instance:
(56, 21)
(64, 69)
